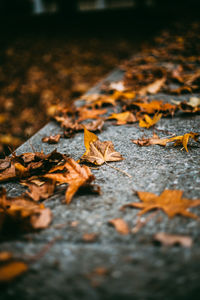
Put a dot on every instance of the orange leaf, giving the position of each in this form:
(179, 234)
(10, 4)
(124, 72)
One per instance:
(148, 122)
(170, 201)
(12, 270)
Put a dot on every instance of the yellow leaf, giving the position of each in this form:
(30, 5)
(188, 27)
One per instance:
(88, 138)
(148, 122)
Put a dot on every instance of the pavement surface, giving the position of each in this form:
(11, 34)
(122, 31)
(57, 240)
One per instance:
(131, 266)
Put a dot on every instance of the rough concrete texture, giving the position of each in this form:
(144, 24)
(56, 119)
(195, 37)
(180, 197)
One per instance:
(137, 268)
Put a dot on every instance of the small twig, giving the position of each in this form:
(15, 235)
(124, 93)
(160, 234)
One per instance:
(119, 170)
(141, 223)
(33, 258)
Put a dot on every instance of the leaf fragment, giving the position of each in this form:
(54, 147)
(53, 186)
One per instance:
(120, 225)
(173, 239)
(11, 270)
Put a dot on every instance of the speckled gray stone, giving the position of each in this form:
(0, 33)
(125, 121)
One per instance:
(137, 268)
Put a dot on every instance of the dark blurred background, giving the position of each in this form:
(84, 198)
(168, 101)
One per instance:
(53, 51)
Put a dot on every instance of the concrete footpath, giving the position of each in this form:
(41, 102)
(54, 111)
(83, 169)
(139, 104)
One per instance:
(115, 266)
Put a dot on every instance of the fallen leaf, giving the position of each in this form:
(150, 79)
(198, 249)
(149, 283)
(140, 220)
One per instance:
(191, 106)
(123, 118)
(120, 225)
(98, 152)
(153, 88)
(5, 255)
(23, 213)
(155, 106)
(149, 122)
(52, 139)
(89, 237)
(173, 239)
(73, 174)
(154, 140)
(40, 192)
(184, 139)
(95, 125)
(170, 201)
(11, 270)
(85, 114)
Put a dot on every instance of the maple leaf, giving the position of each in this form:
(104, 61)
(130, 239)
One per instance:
(85, 113)
(148, 122)
(184, 139)
(154, 140)
(123, 118)
(98, 152)
(170, 201)
(73, 174)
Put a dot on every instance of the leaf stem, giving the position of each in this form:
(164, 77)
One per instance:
(119, 170)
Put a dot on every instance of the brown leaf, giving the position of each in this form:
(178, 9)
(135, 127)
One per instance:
(98, 152)
(173, 239)
(52, 139)
(73, 174)
(40, 192)
(85, 114)
(23, 213)
(89, 237)
(123, 118)
(154, 140)
(170, 201)
(96, 125)
(28, 164)
(153, 88)
(11, 270)
(120, 225)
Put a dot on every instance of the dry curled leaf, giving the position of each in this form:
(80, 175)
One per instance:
(154, 140)
(170, 201)
(173, 239)
(191, 106)
(147, 122)
(98, 152)
(123, 118)
(73, 174)
(120, 225)
(40, 192)
(184, 139)
(52, 139)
